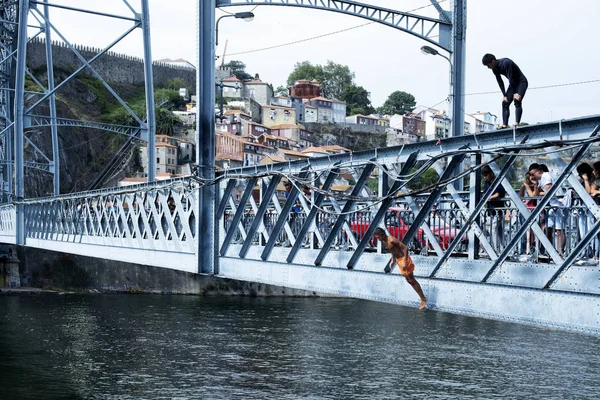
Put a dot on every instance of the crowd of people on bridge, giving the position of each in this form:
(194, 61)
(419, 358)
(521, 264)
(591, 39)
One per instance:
(562, 218)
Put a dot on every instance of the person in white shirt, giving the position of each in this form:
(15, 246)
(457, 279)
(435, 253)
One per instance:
(556, 213)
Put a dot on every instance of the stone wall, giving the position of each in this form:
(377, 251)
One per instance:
(49, 269)
(113, 67)
(318, 127)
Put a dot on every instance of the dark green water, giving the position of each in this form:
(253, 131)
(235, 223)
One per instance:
(176, 347)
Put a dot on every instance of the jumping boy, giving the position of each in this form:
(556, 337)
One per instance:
(517, 85)
(400, 256)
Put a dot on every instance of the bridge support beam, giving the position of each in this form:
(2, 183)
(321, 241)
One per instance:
(556, 309)
(18, 121)
(205, 138)
(55, 166)
(457, 79)
(149, 79)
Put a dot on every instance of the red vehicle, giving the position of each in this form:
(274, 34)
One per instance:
(397, 221)
(394, 222)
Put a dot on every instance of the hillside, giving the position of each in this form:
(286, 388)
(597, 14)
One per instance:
(85, 151)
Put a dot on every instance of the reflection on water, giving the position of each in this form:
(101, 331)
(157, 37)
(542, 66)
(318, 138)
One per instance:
(151, 347)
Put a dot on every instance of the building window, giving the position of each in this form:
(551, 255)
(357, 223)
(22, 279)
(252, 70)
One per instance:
(252, 93)
(158, 160)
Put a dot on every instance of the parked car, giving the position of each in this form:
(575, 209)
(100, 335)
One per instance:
(397, 222)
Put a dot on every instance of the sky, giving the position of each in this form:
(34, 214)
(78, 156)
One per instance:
(553, 42)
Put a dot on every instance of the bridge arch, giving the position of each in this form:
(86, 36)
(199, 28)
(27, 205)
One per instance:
(425, 28)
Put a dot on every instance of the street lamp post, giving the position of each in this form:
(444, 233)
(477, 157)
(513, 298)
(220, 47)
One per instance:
(221, 85)
(431, 51)
(455, 120)
(246, 16)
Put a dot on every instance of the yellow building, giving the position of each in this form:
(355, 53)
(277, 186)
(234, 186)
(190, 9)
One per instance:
(277, 115)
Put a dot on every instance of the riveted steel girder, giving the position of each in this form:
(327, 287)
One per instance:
(435, 31)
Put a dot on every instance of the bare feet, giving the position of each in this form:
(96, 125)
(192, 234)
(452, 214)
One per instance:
(423, 303)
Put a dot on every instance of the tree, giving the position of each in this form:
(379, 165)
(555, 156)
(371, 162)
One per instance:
(165, 122)
(238, 69)
(168, 98)
(398, 102)
(332, 77)
(335, 78)
(176, 84)
(357, 100)
(426, 179)
(281, 91)
(305, 70)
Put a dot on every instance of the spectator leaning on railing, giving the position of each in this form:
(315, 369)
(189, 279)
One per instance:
(528, 190)
(556, 213)
(495, 219)
(586, 218)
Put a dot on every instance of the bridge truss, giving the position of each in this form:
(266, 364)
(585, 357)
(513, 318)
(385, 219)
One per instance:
(324, 243)
(22, 22)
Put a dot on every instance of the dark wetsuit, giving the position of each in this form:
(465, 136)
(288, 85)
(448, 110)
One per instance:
(517, 83)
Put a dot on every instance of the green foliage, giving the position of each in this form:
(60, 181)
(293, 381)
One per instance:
(398, 102)
(177, 83)
(31, 86)
(336, 77)
(238, 69)
(281, 91)
(165, 122)
(104, 99)
(427, 178)
(357, 100)
(171, 97)
(373, 185)
(332, 77)
(305, 70)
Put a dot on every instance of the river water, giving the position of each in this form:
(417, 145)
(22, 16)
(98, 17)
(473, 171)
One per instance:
(184, 347)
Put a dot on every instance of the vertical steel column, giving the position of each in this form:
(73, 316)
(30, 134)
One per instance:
(457, 80)
(150, 112)
(205, 137)
(474, 198)
(18, 122)
(50, 68)
(458, 47)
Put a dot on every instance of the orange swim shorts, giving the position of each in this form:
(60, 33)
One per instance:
(405, 265)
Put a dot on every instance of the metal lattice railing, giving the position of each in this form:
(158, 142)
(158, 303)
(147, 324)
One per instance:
(150, 218)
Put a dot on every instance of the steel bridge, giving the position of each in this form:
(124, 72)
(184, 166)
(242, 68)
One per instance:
(470, 259)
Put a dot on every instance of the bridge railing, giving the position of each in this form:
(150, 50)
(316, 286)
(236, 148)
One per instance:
(328, 215)
(8, 216)
(499, 226)
(162, 217)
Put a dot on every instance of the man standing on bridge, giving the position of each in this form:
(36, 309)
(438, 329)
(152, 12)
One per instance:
(517, 85)
(400, 256)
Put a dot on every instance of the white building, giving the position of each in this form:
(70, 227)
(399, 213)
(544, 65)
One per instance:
(166, 158)
(361, 120)
(437, 123)
(180, 62)
(481, 122)
(186, 117)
